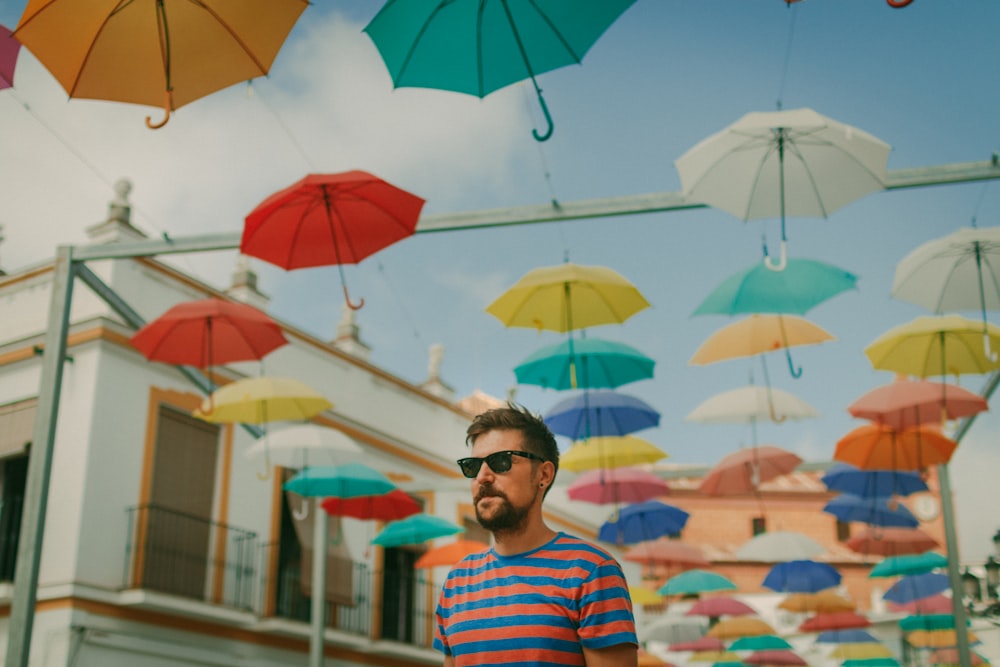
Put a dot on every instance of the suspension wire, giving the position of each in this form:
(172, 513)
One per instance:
(253, 93)
(526, 97)
(979, 203)
(399, 301)
(788, 55)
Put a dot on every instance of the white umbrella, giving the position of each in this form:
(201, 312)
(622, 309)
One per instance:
(749, 404)
(957, 272)
(780, 546)
(777, 163)
(306, 445)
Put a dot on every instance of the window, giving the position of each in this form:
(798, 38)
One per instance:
(758, 525)
(14, 472)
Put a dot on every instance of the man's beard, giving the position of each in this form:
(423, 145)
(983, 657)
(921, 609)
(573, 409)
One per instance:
(505, 519)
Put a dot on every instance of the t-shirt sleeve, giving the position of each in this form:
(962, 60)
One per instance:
(440, 638)
(606, 617)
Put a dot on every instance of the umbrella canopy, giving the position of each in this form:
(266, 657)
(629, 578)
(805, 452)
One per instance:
(642, 522)
(916, 586)
(208, 332)
(714, 657)
(720, 605)
(744, 470)
(949, 656)
(759, 643)
(414, 530)
(872, 446)
(610, 452)
(938, 638)
(262, 399)
(10, 47)
(891, 541)
(671, 628)
(329, 219)
(846, 636)
(929, 346)
(777, 546)
(873, 511)
(907, 403)
(776, 163)
(909, 564)
(304, 445)
(350, 480)
(665, 551)
(617, 485)
(600, 413)
(839, 620)
(707, 643)
(740, 626)
(644, 596)
(870, 662)
(588, 363)
(774, 657)
(447, 555)
(155, 53)
(822, 602)
(875, 483)
(801, 576)
(696, 581)
(861, 650)
(567, 297)
(935, 604)
(476, 47)
(645, 659)
(396, 504)
(928, 622)
(751, 404)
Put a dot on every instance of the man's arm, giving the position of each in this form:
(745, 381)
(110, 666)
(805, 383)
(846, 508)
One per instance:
(449, 661)
(620, 655)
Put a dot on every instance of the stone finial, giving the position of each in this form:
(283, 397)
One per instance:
(243, 286)
(117, 227)
(119, 208)
(433, 384)
(349, 335)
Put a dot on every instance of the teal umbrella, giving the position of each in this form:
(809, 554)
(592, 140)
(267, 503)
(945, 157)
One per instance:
(759, 643)
(350, 480)
(928, 622)
(479, 46)
(414, 530)
(588, 363)
(870, 662)
(691, 582)
(909, 564)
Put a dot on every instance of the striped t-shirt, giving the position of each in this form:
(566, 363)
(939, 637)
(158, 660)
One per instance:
(536, 608)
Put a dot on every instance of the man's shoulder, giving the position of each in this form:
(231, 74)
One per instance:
(581, 548)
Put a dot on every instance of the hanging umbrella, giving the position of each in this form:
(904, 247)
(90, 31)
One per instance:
(777, 546)
(706, 643)
(350, 480)
(262, 399)
(846, 636)
(208, 332)
(928, 622)
(671, 628)
(714, 657)
(720, 605)
(873, 511)
(870, 662)
(908, 403)
(740, 626)
(643, 596)
(664, 552)
(610, 452)
(759, 643)
(916, 586)
(934, 346)
(10, 47)
(956, 273)
(600, 413)
(777, 657)
(588, 363)
(792, 162)
(909, 564)
(645, 659)
(641, 522)
(751, 404)
(861, 650)
(330, 219)
(823, 602)
(414, 530)
(938, 638)
(447, 555)
(391, 506)
(696, 581)
(874, 447)
(304, 445)
(846, 478)
(891, 541)
(801, 576)
(617, 485)
(935, 604)
(476, 47)
(949, 657)
(744, 470)
(800, 287)
(839, 620)
(155, 53)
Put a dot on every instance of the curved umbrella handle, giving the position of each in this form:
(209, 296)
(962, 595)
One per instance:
(548, 119)
(988, 349)
(782, 261)
(169, 102)
(347, 299)
(795, 372)
(267, 466)
(303, 513)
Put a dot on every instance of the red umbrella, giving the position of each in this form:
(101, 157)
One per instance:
(743, 470)
(908, 403)
(9, 48)
(617, 485)
(949, 656)
(330, 219)
(449, 554)
(720, 605)
(665, 551)
(838, 620)
(933, 604)
(876, 447)
(891, 541)
(701, 644)
(396, 504)
(209, 332)
(774, 657)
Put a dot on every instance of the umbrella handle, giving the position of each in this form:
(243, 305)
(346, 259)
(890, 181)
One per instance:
(898, 3)
(548, 120)
(795, 372)
(303, 514)
(347, 299)
(782, 261)
(166, 108)
(990, 354)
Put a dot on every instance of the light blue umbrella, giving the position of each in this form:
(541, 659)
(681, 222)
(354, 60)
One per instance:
(588, 363)
(884, 512)
(801, 576)
(414, 530)
(600, 413)
(691, 582)
(917, 586)
(846, 478)
(909, 564)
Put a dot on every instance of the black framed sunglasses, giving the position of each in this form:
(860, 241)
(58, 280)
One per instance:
(499, 462)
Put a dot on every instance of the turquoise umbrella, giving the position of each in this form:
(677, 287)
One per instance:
(759, 643)
(870, 662)
(928, 622)
(414, 530)
(350, 480)
(909, 564)
(588, 363)
(692, 582)
(479, 46)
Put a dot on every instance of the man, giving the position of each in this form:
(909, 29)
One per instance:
(538, 596)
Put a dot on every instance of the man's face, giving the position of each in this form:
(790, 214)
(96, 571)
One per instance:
(503, 500)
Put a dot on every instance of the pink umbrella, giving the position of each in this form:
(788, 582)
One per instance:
(774, 657)
(744, 470)
(721, 605)
(665, 551)
(701, 644)
(617, 485)
(9, 48)
(933, 604)
(909, 403)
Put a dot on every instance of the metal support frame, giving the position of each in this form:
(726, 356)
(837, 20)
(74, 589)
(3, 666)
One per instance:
(69, 264)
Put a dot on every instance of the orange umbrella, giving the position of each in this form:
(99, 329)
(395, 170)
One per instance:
(155, 53)
(838, 620)
(823, 602)
(875, 447)
(449, 554)
(744, 470)
(860, 651)
(647, 659)
(949, 656)
(891, 541)
(758, 334)
(740, 626)
(946, 638)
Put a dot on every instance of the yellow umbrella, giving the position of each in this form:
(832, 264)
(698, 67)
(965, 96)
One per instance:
(823, 602)
(262, 399)
(567, 297)
(643, 595)
(945, 638)
(945, 345)
(610, 452)
(735, 627)
(758, 334)
(860, 651)
(713, 656)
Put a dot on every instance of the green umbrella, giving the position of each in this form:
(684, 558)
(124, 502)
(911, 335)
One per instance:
(759, 643)
(414, 530)
(478, 46)
(870, 662)
(928, 622)
(696, 581)
(588, 363)
(909, 564)
(350, 480)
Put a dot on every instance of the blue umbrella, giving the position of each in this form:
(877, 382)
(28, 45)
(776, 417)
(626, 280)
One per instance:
(600, 413)
(588, 363)
(846, 636)
(350, 480)
(691, 582)
(414, 530)
(642, 522)
(846, 478)
(917, 586)
(909, 564)
(883, 512)
(801, 576)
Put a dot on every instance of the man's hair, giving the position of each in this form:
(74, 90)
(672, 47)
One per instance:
(538, 439)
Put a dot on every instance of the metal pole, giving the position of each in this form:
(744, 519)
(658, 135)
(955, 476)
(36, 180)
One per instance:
(318, 616)
(29, 550)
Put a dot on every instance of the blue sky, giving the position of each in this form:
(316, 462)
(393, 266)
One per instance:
(668, 73)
